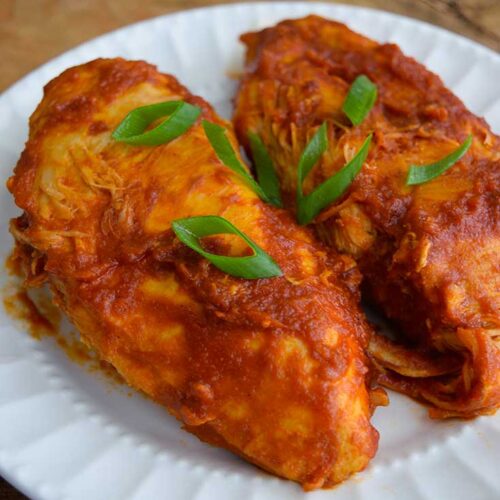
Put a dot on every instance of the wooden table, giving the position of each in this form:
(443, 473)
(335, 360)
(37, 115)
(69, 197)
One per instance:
(33, 31)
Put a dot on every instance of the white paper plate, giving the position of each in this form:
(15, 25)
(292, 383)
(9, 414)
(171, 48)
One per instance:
(65, 434)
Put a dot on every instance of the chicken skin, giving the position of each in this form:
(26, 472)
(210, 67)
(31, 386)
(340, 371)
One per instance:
(272, 369)
(429, 254)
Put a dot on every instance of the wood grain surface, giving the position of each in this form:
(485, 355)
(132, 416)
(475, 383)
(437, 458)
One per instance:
(34, 31)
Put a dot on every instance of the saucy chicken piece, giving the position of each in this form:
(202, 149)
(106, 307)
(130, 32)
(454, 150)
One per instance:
(429, 254)
(272, 369)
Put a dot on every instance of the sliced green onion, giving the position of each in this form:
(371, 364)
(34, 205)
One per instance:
(360, 99)
(258, 265)
(424, 173)
(311, 154)
(266, 173)
(216, 134)
(181, 116)
(311, 205)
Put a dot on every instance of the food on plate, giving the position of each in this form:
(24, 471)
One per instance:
(140, 215)
(403, 178)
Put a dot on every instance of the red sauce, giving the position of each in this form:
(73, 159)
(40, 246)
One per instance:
(42, 319)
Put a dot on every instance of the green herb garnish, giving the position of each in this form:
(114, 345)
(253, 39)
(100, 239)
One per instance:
(216, 134)
(258, 265)
(310, 205)
(266, 173)
(360, 99)
(424, 173)
(181, 116)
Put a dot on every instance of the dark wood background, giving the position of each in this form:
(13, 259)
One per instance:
(33, 31)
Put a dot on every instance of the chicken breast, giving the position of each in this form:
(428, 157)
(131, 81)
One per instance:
(429, 254)
(272, 369)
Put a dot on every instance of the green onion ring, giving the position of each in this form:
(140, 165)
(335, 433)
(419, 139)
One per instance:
(360, 99)
(181, 115)
(258, 265)
(424, 173)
